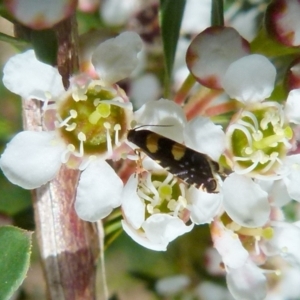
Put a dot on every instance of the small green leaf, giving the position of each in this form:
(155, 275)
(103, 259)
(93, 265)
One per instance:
(171, 12)
(15, 249)
(45, 45)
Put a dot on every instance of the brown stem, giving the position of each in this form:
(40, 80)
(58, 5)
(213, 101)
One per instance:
(68, 246)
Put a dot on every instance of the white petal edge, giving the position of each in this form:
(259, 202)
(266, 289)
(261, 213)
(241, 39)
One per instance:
(99, 191)
(116, 58)
(139, 237)
(206, 137)
(26, 76)
(247, 282)
(162, 228)
(292, 106)
(32, 158)
(132, 206)
(250, 79)
(286, 240)
(228, 245)
(245, 201)
(41, 14)
(212, 51)
(172, 284)
(162, 112)
(204, 206)
(292, 179)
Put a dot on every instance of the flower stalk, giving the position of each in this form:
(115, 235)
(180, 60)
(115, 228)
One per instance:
(68, 246)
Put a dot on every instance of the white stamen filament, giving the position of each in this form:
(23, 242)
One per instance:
(243, 129)
(247, 170)
(153, 190)
(108, 138)
(73, 115)
(142, 195)
(86, 162)
(247, 124)
(167, 179)
(117, 128)
(251, 116)
(66, 154)
(82, 138)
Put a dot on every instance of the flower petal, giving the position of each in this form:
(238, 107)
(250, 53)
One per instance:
(229, 246)
(250, 79)
(292, 179)
(247, 282)
(204, 136)
(245, 202)
(140, 237)
(286, 240)
(282, 21)
(276, 190)
(116, 58)
(26, 76)
(292, 106)
(132, 205)
(171, 285)
(162, 228)
(41, 14)
(162, 112)
(143, 89)
(98, 192)
(212, 51)
(204, 206)
(117, 13)
(32, 158)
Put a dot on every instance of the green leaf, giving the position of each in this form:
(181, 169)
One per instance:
(171, 12)
(45, 45)
(15, 249)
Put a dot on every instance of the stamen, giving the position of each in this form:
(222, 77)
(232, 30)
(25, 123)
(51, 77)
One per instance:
(66, 154)
(82, 138)
(108, 138)
(247, 170)
(251, 116)
(167, 179)
(73, 115)
(273, 159)
(80, 93)
(234, 127)
(86, 162)
(71, 127)
(152, 189)
(48, 98)
(117, 128)
(247, 124)
(142, 195)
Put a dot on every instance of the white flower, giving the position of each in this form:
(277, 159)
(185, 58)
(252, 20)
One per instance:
(285, 242)
(87, 128)
(247, 282)
(244, 278)
(156, 206)
(171, 285)
(41, 14)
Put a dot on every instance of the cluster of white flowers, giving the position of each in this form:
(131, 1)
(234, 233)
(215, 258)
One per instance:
(90, 124)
